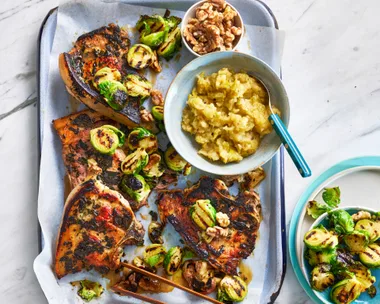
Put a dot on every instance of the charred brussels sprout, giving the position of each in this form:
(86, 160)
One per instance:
(342, 221)
(373, 229)
(114, 93)
(370, 257)
(362, 274)
(357, 241)
(372, 291)
(154, 168)
(232, 288)
(331, 196)
(135, 186)
(315, 209)
(142, 138)
(171, 45)
(134, 162)
(187, 169)
(172, 22)
(314, 257)
(138, 86)
(140, 56)
(158, 113)
(89, 290)
(321, 277)
(156, 23)
(154, 255)
(319, 238)
(346, 291)
(106, 139)
(155, 232)
(173, 260)
(173, 160)
(203, 214)
(105, 74)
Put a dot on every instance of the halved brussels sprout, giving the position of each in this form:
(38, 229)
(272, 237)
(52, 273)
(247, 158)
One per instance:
(158, 113)
(105, 74)
(154, 168)
(314, 257)
(114, 93)
(362, 273)
(321, 277)
(173, 260)
(315, 209)
(154, 255)
(331, 196)
(346, 291)
(155, 65)
(232, 288)
(140, 56)
(319, 238)
(142, 138)
(135, 161)
(153, 39)
(187, 169)
(357, 241)
(373, 229)
(135, 186)
(370, 257)
(372, 291)
(203, 214)
(173, 21)
(342, 221)
(89, 290)
(106, 139)
(155, 232)
(156, 23)
(173, 160)
(138, 86)
(171, 45)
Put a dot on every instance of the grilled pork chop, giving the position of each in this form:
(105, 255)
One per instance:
(74, 132)
(97, 223)
(103, 47)
(244, 211)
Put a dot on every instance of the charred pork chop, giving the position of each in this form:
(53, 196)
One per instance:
(103, 47)
(97, 223)
(244, 212)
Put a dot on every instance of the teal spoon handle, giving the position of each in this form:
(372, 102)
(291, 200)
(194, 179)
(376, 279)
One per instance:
(290, 145)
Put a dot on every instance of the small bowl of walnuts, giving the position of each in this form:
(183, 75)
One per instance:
(211, 26)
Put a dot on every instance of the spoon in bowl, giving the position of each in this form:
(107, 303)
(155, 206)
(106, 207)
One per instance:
(287, 140)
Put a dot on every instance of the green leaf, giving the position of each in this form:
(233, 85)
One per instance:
(342, 221)
(315, 209)
(331, 196)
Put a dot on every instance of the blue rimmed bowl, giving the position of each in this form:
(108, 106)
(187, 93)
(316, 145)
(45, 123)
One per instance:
(181, 87)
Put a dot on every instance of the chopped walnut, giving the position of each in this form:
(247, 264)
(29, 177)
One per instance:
(216, 232)
(157, 98)
(213, 29)
(247, 181)
(222, 219)
(146, 116)
(361, 215)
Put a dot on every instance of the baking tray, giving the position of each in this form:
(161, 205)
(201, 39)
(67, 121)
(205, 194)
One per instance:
(253, 12)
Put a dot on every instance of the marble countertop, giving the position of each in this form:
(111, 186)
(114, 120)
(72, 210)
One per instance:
(331, 69)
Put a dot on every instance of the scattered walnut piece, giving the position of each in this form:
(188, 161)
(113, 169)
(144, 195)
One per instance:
(146, 116)
(361, 215)
(216, 232)
(222, 219)
(213, 28)
(157, 98)
(247, 181)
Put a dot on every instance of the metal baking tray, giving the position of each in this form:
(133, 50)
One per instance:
(253, 12)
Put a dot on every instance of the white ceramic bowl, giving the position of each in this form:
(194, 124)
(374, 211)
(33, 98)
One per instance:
(181, 87)
(190, 13)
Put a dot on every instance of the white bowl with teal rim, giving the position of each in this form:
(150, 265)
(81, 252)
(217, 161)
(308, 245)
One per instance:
(324, 296)
(359, 180)
(183, 84)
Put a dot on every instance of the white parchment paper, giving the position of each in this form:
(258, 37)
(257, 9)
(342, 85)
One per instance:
(74, 19)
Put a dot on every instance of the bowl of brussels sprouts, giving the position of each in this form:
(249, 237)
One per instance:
(341, 255)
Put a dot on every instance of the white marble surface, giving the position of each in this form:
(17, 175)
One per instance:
(331, 69)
